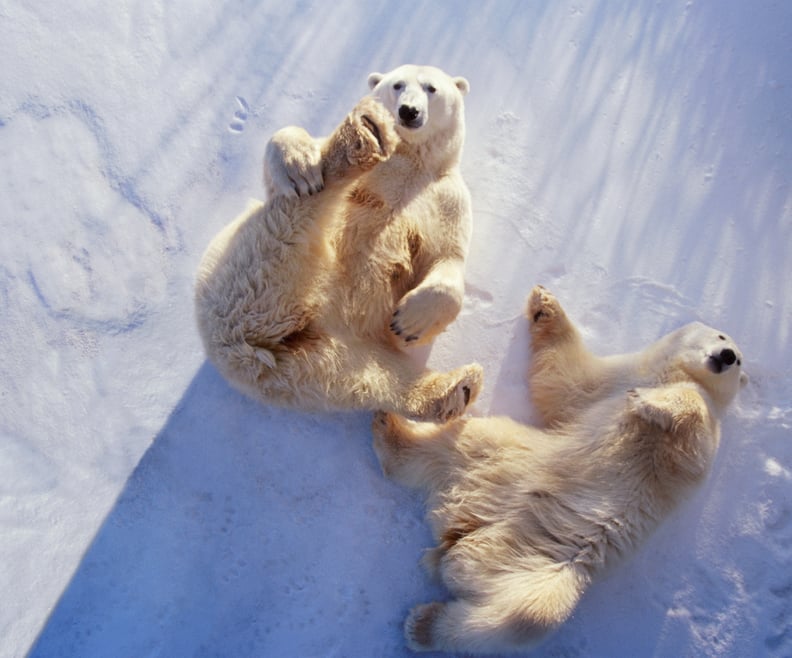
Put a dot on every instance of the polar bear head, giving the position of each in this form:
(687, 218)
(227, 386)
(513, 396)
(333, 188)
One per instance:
(424, 100)
(710, 358)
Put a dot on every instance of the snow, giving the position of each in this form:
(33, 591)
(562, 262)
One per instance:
(635, 158)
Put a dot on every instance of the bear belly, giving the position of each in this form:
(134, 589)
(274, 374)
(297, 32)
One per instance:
(365, 292)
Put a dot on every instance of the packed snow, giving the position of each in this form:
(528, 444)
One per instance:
(635, 158)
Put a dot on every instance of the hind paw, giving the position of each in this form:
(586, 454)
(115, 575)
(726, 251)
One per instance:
(461, 394)
(293, 164)
(422, 314)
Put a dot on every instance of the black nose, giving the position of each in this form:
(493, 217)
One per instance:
(728, 356)
(407, 113)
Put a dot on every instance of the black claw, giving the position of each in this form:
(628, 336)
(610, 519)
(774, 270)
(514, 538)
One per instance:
(411, 338)
(396, 313)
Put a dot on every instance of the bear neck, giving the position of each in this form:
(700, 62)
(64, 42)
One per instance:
(718, 397)
(440, 152)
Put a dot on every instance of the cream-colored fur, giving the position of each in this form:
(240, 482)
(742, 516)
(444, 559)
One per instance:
(527, 518)
(308, 300)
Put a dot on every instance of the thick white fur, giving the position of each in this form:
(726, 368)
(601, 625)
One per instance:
(308, 299)
(527, 518)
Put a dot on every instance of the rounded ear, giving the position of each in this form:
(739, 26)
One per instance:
(374, 79)
(462, 84)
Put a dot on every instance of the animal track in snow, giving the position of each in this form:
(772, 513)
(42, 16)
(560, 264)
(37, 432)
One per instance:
(84, 268)
(477, 293)
(237, 124)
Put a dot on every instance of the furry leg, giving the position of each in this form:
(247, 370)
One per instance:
(562, 369)
(414, 454)
(314, 370)
(388, 379)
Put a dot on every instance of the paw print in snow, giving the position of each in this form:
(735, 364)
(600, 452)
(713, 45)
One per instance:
(237, 124)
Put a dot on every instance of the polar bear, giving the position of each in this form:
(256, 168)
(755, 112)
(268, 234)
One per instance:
(527, 518)
(308, 300)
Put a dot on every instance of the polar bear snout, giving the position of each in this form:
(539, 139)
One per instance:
(723, 360)
(728, 356)
(410, 116)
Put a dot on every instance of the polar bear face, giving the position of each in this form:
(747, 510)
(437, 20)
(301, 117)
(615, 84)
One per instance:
(423, 99)
(710, 358)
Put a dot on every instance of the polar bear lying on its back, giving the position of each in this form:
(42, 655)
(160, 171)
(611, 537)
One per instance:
(308, 300)
(527, 518)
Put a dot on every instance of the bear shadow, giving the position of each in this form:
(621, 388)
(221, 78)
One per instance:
(252, 530)
(247, 530)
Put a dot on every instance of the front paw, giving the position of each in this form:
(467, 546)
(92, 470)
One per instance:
(370, 132)
(422, 314)
(293, 164)
(548, 323)
(543, 307)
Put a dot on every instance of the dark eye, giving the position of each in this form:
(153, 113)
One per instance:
(398, 86)
(430, 89)
(722, 337)
(739, 362)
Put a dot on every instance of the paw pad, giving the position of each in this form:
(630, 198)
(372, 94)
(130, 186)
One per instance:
(543, 307)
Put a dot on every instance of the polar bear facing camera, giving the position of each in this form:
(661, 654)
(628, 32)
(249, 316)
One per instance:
(527, 518)
(310, 299)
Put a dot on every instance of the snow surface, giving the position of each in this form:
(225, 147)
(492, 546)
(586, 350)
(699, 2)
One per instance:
(636, 158)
